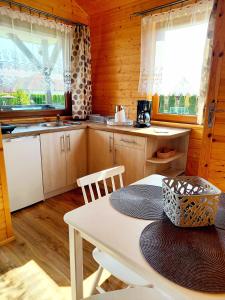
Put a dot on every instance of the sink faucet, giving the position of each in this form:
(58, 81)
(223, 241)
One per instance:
(58, 120)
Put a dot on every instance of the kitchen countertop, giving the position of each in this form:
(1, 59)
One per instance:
(156, 131)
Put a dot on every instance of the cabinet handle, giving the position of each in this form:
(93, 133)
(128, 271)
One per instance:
(128, 142)
(110, 144)
(114, 157)
(62, 143)
(68, 142)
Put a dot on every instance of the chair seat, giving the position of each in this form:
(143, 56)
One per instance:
(118, 270)
(138, 293)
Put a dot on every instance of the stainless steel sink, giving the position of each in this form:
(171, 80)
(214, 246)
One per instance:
(55, 124)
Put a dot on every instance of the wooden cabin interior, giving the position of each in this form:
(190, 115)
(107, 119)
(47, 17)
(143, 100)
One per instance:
(110, 89)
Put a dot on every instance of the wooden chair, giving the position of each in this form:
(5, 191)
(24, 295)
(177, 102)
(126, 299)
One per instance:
(138, 293)
(105, 261)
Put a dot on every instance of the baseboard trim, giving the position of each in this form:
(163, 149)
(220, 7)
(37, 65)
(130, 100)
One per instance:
(59, 191)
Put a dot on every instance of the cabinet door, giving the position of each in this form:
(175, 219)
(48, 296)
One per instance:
(100, 146)
(53, 151)
(76, 149)
(24, 172)
(133, 160)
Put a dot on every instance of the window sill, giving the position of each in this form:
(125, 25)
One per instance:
(178, 125)
(39, 113)
(174, 118)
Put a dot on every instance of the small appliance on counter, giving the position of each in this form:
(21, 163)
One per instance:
(144, 108)
(121, 118)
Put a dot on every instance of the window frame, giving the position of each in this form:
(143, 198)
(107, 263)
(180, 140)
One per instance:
(157, 116)
(26, 113)
(41, 113)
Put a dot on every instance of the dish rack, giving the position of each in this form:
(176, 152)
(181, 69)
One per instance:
(112, 122)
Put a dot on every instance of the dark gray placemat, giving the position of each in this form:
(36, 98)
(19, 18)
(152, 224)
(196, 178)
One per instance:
(139, 201)
(191, 257)
(220, 216)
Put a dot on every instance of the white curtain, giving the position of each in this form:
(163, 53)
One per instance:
(174, 52)
(38, 49)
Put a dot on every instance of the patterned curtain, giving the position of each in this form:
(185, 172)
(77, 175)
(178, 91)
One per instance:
(81, 73)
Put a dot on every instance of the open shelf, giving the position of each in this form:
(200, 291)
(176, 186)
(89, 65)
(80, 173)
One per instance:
(171, 172)
(156, 160)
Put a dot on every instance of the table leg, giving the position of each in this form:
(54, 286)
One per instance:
(76, 263)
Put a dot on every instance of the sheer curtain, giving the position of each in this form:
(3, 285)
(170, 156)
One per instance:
(175, 51)
(37, 53)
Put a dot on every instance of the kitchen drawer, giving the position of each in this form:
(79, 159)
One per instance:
(135, 142)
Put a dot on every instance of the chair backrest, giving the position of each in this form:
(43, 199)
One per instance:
(96, 178)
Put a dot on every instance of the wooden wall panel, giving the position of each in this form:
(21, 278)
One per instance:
(212, 162)
(217, 173)
(194, 150)
(96, 6)
(67, 9)
(6, 233)
(216, 165)
(115, 41)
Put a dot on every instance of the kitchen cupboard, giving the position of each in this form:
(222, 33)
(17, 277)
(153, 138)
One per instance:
(107, 149)
(23, 159)
(69, 154)
(130, 152)
(53, 161)
(100, 150)
(64, 156)
(136, 153)
(76, 158)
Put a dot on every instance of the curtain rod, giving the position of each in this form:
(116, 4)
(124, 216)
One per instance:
(40, 12)
(147, 11)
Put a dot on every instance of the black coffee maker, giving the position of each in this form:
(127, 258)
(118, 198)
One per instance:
(144, 108)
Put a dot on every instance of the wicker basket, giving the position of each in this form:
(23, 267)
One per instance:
(190, 201)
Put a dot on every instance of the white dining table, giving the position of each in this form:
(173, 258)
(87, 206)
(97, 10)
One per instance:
(118, 235)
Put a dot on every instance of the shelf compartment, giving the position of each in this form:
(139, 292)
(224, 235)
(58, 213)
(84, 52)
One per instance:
(156, 160)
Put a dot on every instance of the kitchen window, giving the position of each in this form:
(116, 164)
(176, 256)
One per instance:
(34, 65)
(175, 62)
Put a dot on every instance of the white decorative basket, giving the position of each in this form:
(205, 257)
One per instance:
(190, 201)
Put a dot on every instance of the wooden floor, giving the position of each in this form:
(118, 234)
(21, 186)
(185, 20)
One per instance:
(42, 236)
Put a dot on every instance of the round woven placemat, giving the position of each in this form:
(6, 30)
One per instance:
(191, 257)
(220, 216)
(139, 201)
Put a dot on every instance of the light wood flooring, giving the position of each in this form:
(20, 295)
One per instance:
(42, 236)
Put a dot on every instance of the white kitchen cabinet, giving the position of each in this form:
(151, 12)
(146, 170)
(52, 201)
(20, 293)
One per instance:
(64, 159)
(23, 168)
(130, 151)
(107, 149)
(53, 161)
(100, 150)
(76, 158)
